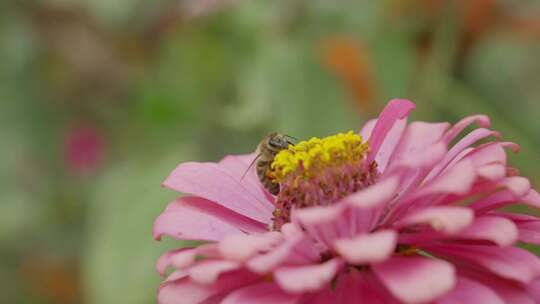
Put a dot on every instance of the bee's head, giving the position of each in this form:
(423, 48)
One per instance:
(279, 141)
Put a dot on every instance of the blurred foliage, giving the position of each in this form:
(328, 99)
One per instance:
(119, 252)
(100, 99)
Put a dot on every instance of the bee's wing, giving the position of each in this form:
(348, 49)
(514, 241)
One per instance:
(250, 165)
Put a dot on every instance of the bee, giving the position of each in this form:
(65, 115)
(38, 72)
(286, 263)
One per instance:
(267, 149)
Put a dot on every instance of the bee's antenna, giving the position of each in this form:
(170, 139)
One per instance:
(250, 165)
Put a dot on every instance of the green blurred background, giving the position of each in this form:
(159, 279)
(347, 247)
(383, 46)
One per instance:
(100, 99)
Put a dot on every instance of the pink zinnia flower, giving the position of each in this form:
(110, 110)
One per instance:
(400, 213)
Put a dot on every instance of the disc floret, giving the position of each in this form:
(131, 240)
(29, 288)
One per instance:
(320, 172)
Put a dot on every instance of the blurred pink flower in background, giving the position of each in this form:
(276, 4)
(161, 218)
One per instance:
(84, 149)
(412, 217)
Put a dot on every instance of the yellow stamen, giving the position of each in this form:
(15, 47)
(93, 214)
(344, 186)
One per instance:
(307, 158)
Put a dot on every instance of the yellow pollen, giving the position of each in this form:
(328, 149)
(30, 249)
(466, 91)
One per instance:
(307, 158)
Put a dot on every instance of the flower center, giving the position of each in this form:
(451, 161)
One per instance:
(319, 172)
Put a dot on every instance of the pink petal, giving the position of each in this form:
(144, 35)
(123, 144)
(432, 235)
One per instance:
(210, 181)
(472, 138)
(457, 180)
(534, 289)
(507, 290)
(532, 198)
(492, 152)
(367, 129)
(419, 149)
(175, 276)
(323, 222)
(291, 231)
(238, 167)
(165, 260)
(367, 204)
(395, 110)
(418, 137)
(508, 262)
(492, 172)
(488, 153)
(464, 143)
(184, 220)
(261, 293)
(493, 201)
(184, 291)
(352, 287)
(300, 279)
(390, 142)
(319, 214)
(412, 172)
(482, 120)
(519, 186)
(375, 195)
(324, 296)
(422, 160)
(299, 250)
(512, 146)
(503, 198)
(207, 272)
(212, 209)
(499, 230)
(367, 248)
(440, 166)
(185, 258)
(516, 185)
(416, 279)
(468, 291)
(362, 286)
(496, 229)
(529, 232)
(242, 247)
(447, 219)
(516, 217)
(528, 226)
